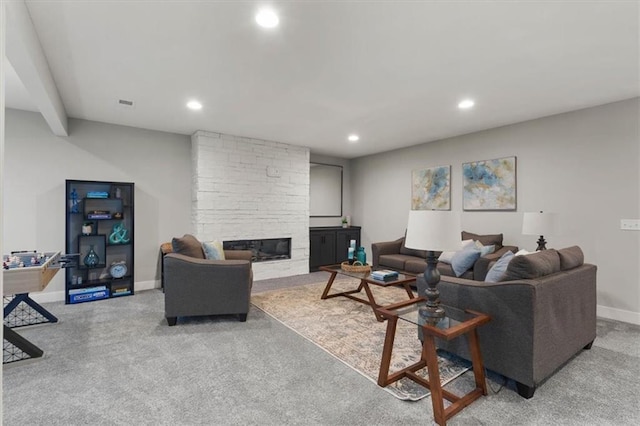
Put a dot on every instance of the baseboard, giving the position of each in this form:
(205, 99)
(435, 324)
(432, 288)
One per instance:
(58, 296)
(618, 314)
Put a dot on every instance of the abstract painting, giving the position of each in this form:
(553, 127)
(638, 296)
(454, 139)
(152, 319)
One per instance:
(489, 184)
(431, 188)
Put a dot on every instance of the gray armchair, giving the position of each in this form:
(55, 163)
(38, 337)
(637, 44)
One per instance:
(195, 286)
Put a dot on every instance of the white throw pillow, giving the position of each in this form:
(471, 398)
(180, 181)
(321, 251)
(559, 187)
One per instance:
(447, 256)
(523, 252)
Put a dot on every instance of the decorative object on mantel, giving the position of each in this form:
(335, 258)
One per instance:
(87, 228)
(433, 230)
(118, 234)
(345, 222)
(534, 223)
(431, 188)
(489, 184)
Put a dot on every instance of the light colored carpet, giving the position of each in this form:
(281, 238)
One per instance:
(349, 331)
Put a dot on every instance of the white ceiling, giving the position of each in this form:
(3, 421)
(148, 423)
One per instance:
(392, 72)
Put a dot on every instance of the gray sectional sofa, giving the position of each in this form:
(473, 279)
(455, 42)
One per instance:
(543, 312)
(394, 255)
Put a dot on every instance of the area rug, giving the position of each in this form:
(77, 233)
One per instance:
(349, 331)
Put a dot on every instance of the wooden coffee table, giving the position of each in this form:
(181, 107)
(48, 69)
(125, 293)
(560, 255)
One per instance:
(365, 280)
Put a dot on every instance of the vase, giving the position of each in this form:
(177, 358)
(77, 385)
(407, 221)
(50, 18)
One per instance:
(91, 259)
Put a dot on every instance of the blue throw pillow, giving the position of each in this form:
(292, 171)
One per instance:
(464, 259)
(499, 268)
(213, 250)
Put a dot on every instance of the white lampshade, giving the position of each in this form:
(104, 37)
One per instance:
(539, 223)
(435, 230)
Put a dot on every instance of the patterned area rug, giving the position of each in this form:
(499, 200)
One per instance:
(349, 331)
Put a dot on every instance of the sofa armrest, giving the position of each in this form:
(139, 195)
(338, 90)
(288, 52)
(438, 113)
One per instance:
(483, 264)
(385, 247)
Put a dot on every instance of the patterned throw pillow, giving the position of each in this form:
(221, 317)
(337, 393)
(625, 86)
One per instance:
(447, 256)
(213, 250)
(499, 268)
(484, 250)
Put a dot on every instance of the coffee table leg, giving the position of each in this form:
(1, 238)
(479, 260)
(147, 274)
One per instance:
(383, 376)
(434, 379)
(329, 284)
(372, 300)
(407, 287)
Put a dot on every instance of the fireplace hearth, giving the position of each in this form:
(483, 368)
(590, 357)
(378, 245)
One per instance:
(262, 250)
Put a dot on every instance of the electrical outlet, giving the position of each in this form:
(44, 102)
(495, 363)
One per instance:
(630, 224)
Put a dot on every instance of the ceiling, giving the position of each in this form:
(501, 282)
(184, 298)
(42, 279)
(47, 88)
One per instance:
(392, 72)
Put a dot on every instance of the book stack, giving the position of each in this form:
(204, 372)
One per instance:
(384, 275)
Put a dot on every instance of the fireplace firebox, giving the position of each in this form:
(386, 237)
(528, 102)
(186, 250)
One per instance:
(262, 250)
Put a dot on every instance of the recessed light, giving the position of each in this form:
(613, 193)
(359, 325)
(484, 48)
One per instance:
(353, 138)
(466, 104)
(267, 18)
(194, 105)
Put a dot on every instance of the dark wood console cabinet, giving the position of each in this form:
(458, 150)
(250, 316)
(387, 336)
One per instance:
(328, 245)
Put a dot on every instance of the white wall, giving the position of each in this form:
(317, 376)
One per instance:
(583, 165)
(37, 164)
(245, 189)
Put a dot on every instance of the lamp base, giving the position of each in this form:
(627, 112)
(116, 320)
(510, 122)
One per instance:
(542, 244)
(432, 310)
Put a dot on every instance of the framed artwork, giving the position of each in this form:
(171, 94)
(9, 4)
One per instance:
(431, 188)
(489, 184)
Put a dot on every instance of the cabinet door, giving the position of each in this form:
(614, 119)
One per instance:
(322, 249)
(343, 239)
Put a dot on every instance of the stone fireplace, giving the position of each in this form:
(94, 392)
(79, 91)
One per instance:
(248, 190)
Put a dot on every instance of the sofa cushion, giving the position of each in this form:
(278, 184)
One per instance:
(487, 240)
(188, 245)
(532, 266)
(570, 257)
(394, 261)
(499, 268)
(415, 266)
(213, 250)
(446, 270)
(411, 252)
(463, 260)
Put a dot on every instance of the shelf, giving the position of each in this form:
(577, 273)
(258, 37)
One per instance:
(83, 266)
(118, 244)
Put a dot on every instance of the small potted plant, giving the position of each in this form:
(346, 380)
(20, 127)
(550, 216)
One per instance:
(345, 222)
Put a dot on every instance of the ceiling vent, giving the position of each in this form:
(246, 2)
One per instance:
(123, 103)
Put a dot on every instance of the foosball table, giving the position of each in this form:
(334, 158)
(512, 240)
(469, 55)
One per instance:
(24, 273)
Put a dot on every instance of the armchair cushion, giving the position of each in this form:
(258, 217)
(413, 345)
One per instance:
(188, 245)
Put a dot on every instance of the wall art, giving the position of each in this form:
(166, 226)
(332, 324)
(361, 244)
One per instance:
(489, 184)
(431, 188)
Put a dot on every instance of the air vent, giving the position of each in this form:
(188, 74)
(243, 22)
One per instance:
(125, 103)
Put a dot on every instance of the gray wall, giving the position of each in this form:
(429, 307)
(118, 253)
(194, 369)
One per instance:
(583, 165)
(37, 164)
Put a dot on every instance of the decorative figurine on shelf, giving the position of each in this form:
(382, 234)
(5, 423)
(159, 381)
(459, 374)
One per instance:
(119, 234)
(91, 259)
(75, 203)
(118, 193)
(87, 228)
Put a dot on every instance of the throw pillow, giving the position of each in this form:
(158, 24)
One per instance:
(464, 259)
(213, 250)
(188, 245)
(523, 252)
(485, 250)
(487, 240)
(446, 256)
(499, 268)
(531, 266)
(570, 257)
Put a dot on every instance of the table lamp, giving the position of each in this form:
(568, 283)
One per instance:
(433, 230)
(534, 223)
